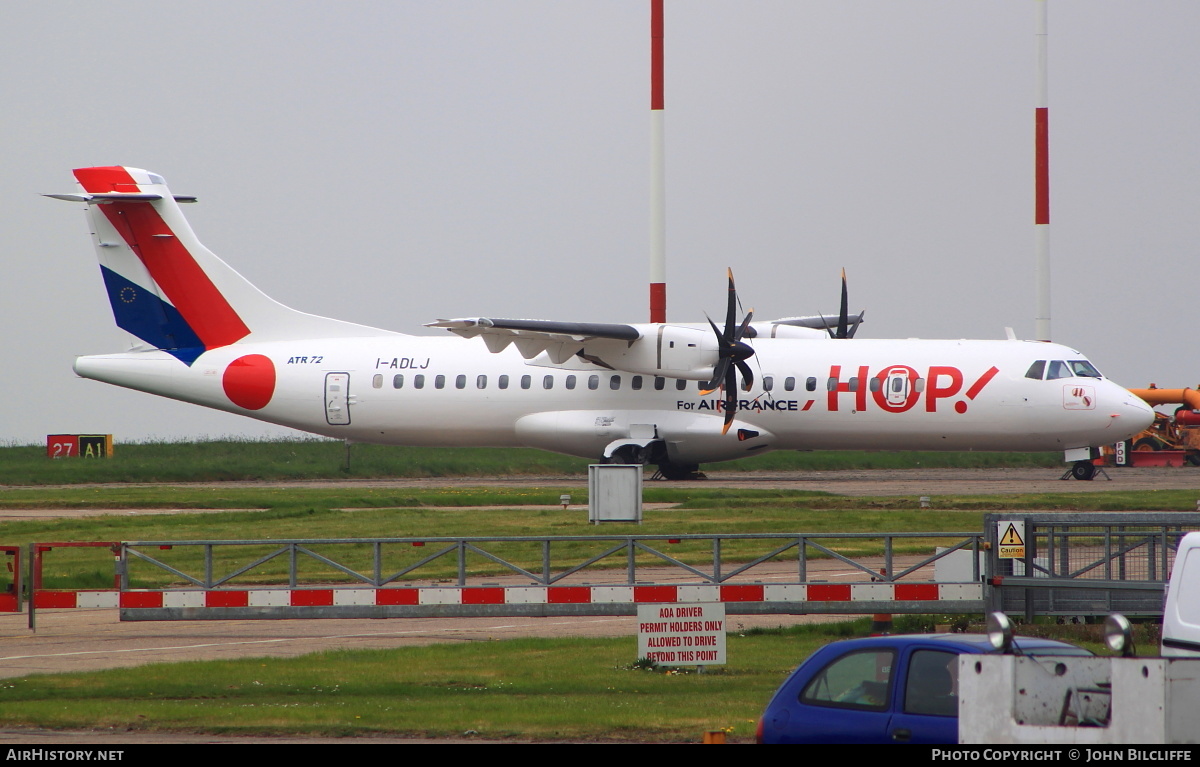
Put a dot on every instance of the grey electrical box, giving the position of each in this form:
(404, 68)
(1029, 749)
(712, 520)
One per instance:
(614, 493)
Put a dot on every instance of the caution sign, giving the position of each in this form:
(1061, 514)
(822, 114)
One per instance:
(1012, 539)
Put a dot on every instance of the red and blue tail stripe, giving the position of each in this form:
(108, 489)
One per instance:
(188, 315)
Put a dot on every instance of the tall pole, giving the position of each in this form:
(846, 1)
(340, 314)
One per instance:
(1041, 183)
(658, 192)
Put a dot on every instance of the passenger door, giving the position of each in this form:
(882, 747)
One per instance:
(927, 704)
(846, 701)
(337, 399)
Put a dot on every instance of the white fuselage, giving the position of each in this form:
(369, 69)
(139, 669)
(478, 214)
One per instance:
(411, 390)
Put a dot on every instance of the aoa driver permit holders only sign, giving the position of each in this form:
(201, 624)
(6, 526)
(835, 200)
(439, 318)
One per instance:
(682, 635)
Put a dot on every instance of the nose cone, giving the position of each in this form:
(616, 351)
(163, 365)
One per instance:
(1130, 413)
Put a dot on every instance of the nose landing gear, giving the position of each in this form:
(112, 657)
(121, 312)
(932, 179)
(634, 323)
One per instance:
(1085, 470)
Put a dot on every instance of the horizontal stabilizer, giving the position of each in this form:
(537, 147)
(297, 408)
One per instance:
(118, 196)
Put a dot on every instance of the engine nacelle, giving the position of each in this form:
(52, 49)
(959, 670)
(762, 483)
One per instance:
(780, 330)
(671, 351)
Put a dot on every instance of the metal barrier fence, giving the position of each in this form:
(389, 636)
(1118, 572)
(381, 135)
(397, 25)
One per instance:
(571, 575)
(1086, 564)
(1073, 564)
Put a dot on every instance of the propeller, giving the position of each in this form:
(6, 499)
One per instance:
(843, 326)
(732, 354)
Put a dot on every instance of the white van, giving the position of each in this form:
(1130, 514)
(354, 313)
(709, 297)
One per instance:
(1181, 612)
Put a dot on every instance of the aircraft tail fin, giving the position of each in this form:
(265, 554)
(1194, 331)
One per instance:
(165, 287)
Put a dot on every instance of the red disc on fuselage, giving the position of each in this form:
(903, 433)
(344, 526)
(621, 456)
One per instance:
(249, 381)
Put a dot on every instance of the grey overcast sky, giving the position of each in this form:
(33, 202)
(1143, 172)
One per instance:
(390, 163)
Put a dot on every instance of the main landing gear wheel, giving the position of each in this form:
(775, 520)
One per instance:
(1084, 470)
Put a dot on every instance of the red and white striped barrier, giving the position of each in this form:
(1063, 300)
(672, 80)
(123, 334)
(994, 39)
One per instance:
(512, 595)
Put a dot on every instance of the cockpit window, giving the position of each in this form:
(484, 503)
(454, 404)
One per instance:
(1084, 369)
(1061, 369)
(1058, 369)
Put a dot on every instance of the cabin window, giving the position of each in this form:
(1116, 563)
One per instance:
(789, 383)
(570, 382)
(593, 382)
(548, 382)
(811, 384)
(919, 385)
(525, 382)
(680, 384)
(853, 383)
(481, 382)
(660, 383)
(614, 383)
(1036, 370)
(439, 381)
(831, 384)
(876, 384)
(460, 382)
(502, 382)
(377, 381)
(768, 383)
(636, 383)
(419, 381)
(398, 381)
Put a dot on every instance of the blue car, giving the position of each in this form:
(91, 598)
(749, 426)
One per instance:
(889, 689)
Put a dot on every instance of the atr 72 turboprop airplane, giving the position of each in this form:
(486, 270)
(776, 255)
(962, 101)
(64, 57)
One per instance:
(624, 393)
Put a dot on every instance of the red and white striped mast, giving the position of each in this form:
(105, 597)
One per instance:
(1041, 183)
(658, 191)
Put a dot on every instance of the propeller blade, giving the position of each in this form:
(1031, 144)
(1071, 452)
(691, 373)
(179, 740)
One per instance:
(747, 375)
(745, 324)
(730, 398)
(731, 307)
(844, 312)
(718, 376)
(858, 318)
(713, 325)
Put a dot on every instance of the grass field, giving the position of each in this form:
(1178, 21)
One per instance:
(306, 513)
(570, 689)
(540, 689)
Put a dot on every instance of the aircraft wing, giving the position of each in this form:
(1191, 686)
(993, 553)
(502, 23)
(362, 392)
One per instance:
(559, 340)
